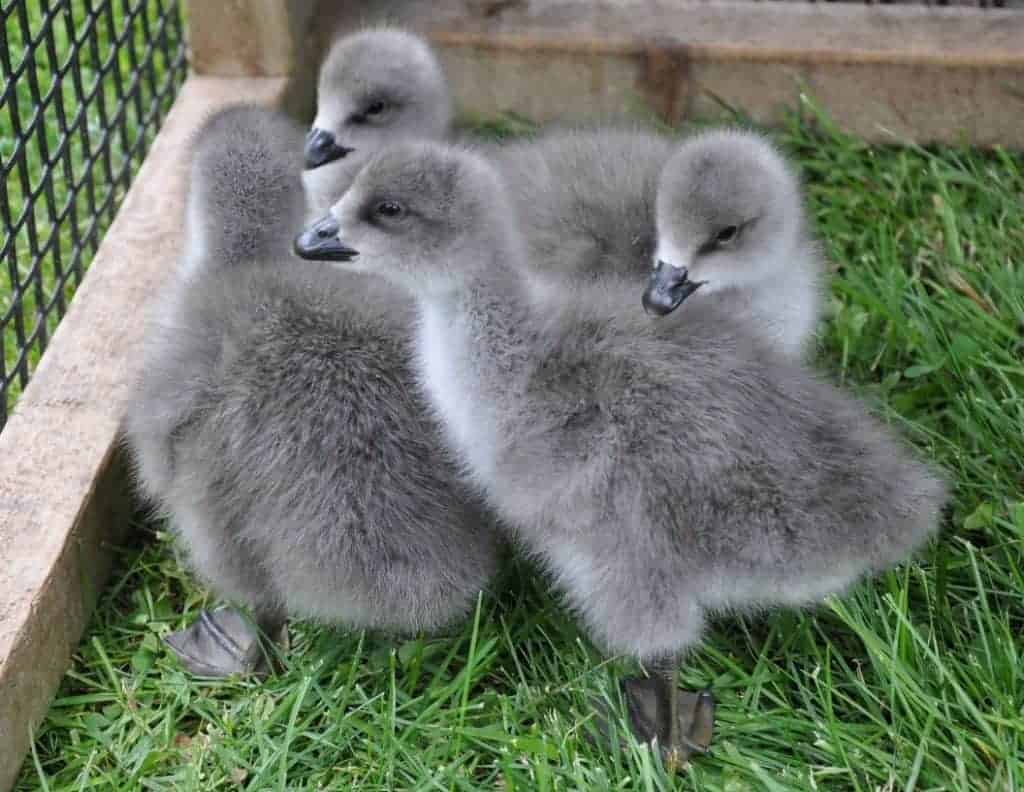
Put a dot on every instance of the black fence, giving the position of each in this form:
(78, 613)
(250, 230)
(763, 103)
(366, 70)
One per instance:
(86, 86)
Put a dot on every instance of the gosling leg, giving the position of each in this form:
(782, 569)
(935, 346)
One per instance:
(224, 642)
(681, 721)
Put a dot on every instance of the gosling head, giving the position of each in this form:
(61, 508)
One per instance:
(426, 216)
(377, 87)
(729, 215)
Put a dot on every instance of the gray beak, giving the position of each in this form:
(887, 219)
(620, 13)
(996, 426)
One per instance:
(666, 289)
(319, 242)
(322, 147)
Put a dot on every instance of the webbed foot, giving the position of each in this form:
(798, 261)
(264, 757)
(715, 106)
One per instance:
(681, 721)
(219, 643)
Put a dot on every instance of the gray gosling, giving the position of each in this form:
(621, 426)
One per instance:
(731, 222)
(662, 470)
(375, 87)
(279, 426)
(719, 215)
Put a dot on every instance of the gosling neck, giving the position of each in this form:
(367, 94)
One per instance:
(472, 348)
(481, 319)
(487, 283)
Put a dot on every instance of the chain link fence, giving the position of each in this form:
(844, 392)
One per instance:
(86, 86)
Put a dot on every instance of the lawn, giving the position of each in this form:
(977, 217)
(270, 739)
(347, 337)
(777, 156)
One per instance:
(911, 681)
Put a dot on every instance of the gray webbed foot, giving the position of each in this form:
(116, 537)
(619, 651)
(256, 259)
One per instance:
(218, 644)
(654, 704)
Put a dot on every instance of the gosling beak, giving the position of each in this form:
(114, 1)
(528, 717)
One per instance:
(321, 148)
(666, 289)
(319, 242)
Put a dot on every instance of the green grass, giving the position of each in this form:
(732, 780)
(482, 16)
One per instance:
(81, 194)
(912, 681)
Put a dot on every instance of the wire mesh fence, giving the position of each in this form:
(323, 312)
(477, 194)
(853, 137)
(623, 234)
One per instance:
(86, 86)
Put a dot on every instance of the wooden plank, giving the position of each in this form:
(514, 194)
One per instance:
(247, 38)
(823, 32)
(63, 489)
(882, 72)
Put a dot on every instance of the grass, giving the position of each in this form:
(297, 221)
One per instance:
(912, 681)
(61, 191)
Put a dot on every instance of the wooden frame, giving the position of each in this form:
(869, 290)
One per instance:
(909, 72)
(63, 482)
(890, 73)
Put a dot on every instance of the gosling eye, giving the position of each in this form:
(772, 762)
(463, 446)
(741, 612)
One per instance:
(727, 235)
(374, 108)
(389, 209)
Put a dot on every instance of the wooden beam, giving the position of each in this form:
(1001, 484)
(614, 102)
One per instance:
(248, 38)
(883, 72)
(63, 490)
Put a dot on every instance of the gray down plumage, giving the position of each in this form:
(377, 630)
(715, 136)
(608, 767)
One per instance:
(661, 469)
(278, 423)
